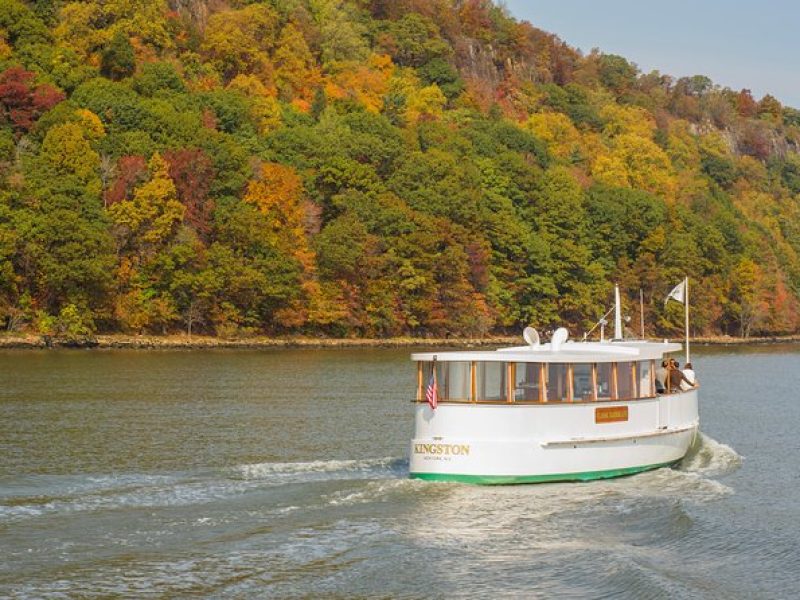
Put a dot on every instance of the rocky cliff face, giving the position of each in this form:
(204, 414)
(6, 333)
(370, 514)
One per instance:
(476, 60)
(197, 11)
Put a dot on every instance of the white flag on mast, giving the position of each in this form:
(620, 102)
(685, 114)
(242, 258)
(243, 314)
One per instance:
(678, 293)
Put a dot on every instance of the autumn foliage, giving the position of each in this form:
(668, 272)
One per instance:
(22, 101)
(371, 168)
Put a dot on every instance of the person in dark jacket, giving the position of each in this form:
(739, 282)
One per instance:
(675, 377)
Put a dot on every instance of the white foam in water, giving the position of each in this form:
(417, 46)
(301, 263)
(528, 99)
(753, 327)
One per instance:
(710, 457)
(67, 486)
(693, 478)
(266, 470)
(374, 491)
(173, 494)
(101, 492)
(686, 485)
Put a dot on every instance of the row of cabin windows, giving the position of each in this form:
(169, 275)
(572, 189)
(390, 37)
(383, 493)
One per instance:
(538, 382)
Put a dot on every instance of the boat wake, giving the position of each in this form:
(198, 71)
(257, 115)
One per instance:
(694, 478)
(710, 457)
(373, 491)
(371, 467)
(37, 496)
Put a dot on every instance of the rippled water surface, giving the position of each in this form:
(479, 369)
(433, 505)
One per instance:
(282, 474)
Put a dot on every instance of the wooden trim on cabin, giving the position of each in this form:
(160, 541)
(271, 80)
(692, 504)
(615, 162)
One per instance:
(570, 382)
(510, 381)
(473, 381)
(420, 378)
(653, 379)
(594, 382)
(542, 383)
(635, 379)
(614, 387)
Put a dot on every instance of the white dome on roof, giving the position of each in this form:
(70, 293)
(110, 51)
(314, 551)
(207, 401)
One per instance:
(559, 337)
(531, 336)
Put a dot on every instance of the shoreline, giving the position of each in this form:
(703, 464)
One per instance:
(200, 342)
(170, 342)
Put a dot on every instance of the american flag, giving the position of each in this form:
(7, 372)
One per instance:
(431, 393)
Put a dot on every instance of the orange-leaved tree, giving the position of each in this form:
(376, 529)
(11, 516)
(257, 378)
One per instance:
(278, 193)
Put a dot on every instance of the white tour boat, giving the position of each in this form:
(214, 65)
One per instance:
(561, 411)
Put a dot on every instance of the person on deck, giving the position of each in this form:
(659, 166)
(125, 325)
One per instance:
(676, 377)
(690, 376)
(661, 377)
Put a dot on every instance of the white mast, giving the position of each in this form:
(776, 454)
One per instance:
(618, 315)
(686, 315)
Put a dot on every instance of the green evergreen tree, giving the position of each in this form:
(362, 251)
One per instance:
(118, 60)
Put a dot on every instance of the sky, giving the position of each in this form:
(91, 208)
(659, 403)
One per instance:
(738, 44)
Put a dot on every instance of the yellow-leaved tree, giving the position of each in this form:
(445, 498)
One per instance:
(366, 84)
(91, 124)
(87, 27)
(296, 71)
(633, 161)
(557, 129)
(279, 194)
(682, 145)
(264, 107)
(68, 150)
(425, 104)
(239, 41)
(622, 120)
(154, 213)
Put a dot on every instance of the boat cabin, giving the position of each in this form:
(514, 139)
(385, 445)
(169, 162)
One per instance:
(573, 373)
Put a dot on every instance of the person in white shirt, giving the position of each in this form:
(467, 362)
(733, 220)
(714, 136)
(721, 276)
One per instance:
(661, 378)
(690, 375)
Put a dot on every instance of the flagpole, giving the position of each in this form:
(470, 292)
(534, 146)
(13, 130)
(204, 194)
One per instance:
(641, 310)
(686, 316)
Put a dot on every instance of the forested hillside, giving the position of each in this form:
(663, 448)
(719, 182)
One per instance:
(423, 167)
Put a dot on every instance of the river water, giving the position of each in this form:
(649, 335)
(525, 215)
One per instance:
(283, 474)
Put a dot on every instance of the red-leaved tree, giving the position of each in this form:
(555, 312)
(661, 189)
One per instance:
(193, 173)
(131, 171)
(22, 102)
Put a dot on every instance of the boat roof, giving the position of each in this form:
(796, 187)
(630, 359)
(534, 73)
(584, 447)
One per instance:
(567, 352)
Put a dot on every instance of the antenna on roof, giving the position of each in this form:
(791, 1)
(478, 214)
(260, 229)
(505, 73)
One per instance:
(617, 314)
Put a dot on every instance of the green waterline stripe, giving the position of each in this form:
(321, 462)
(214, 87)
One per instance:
(515, 479)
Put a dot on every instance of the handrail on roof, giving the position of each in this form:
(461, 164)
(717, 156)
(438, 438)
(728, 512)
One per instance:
(602, 348)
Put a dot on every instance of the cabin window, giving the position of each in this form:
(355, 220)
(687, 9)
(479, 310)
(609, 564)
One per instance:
(490, 381)
(625, 389)
(452, 380)
(457, 381)
(605, 382)
(557, 382)
(645, 377)
(582, 386)
(527, 383)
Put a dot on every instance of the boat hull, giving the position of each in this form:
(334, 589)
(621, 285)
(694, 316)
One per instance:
(517, 443)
